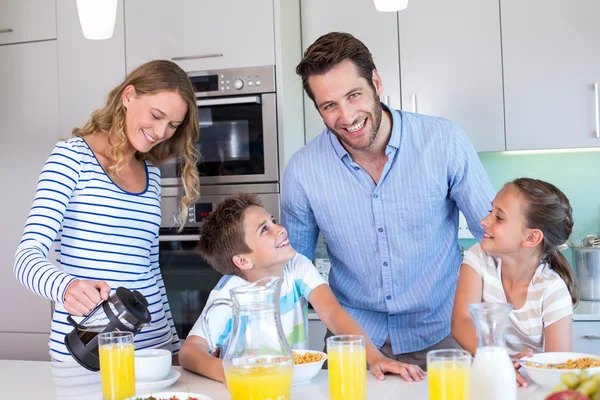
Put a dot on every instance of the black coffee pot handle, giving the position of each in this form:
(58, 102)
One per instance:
(72, 322)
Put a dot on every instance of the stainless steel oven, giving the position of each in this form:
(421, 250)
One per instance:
(238, 127)
(187, 276)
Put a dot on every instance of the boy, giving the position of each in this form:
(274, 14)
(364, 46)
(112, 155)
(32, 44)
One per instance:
(244, 243)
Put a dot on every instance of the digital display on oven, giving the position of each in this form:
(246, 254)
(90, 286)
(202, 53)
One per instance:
(201, 211)
(205, 83)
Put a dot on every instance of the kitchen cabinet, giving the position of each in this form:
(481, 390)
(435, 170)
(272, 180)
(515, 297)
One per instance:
(451, 66)
(316, 332)
(586, 337)
(377, 30)
(28, 132)
(27, 20)
(551, 62)
(87, 69)
(200, 34)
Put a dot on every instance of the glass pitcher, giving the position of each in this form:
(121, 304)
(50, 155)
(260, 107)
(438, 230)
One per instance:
(492, 373)
(258, 361)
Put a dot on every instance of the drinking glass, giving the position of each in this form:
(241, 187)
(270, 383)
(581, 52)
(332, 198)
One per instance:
(347, 359)
(116, 365)
(449, 374)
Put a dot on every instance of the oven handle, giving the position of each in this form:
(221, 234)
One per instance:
(178, 238)
(228, 100)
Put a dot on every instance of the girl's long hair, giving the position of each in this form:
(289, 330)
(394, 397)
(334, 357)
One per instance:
(151, 78)
(549, 210)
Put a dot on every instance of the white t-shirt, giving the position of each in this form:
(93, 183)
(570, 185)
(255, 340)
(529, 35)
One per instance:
(548, 300)
(300, 277)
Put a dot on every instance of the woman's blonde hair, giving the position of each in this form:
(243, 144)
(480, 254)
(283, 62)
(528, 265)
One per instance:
(151, 78)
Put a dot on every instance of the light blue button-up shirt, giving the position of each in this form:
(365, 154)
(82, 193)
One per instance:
(393, 246)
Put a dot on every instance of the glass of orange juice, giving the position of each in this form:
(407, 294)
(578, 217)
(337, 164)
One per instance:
(347, 361)
(117, 373)
(449, 374)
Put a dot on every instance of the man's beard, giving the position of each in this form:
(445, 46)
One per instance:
(376, 113)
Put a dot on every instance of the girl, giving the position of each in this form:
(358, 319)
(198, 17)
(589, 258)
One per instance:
(518, 262)
(98, 200)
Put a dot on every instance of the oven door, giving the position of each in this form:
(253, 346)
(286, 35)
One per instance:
(187, 277)
(238, 141)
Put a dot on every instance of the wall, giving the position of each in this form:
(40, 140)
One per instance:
(572, 172)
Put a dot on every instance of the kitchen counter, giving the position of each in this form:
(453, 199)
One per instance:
(587, 310)
(33, 380)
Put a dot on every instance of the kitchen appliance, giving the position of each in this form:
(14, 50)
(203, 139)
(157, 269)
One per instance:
(587, 267)
(124, 310)
(238, 127)
(258, 360)
(188, 278)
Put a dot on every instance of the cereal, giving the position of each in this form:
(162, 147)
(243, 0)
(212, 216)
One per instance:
(580, 363)
(307, 357)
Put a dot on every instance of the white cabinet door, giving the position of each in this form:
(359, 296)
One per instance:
(316, 334)
(87, 69)
(586, 337)
(451, 66)
(551, 57)
(27, 20)
(200, 34)
(28, 131)
(377, 30)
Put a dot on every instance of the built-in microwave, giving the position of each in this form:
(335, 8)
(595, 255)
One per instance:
(238, 127)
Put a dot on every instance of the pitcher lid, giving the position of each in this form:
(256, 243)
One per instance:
(135, 303)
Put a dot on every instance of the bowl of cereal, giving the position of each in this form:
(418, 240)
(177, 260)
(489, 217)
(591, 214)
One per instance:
(546, 369)
(307, 363)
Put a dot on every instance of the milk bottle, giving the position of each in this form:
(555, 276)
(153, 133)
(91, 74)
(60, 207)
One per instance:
(492, 373)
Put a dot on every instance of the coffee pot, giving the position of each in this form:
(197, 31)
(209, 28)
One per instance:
(124, 310)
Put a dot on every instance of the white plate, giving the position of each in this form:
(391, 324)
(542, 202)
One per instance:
(147, 387)
(167, 395)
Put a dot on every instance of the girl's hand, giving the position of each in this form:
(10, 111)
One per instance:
(83, 295)
(521, 381)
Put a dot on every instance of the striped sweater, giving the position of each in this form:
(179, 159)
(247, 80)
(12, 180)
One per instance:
(99, 232)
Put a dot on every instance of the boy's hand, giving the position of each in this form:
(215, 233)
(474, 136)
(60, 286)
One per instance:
(521, 381)
(385, 365)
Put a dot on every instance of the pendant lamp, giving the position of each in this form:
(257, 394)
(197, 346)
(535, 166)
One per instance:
(97, 18)
(390, 5)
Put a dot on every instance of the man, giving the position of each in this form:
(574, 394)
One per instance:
(384, 187)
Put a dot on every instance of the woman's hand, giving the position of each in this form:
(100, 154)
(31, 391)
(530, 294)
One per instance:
(83, 295)
(521, 381)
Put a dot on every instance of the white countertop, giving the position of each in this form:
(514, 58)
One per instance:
(587, 310)
(33, 379)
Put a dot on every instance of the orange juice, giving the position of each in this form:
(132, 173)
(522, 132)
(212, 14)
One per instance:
(449, 381)
(117, 371)
(347, 373)
(263, 382)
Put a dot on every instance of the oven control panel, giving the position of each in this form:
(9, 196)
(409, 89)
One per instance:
(227, 82)
(199, 211)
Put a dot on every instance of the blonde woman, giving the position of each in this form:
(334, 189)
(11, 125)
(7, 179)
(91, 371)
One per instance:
(98, 199)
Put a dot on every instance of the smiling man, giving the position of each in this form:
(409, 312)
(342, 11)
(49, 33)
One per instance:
(384, 187)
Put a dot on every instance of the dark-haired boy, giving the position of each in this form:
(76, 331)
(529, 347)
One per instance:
(245, 243)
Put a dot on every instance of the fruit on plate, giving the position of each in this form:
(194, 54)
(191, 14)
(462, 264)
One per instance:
(567, 395)
(574, 386)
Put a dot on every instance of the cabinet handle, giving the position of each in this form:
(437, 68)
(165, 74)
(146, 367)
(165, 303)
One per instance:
(197, 57)
(414, 101)
(178, 238)
(8, 30)
(597, 99)
(591, 337)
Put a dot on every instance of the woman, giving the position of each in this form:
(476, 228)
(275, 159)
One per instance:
(98, 200)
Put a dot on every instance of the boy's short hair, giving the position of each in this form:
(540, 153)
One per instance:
(222, 233)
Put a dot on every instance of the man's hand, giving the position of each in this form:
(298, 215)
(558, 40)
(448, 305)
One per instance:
(385, 365)
(521, 381)
(83, 295)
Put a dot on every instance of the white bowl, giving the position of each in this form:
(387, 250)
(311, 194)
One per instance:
(152, 365)
(549, 378)
(305, 372)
